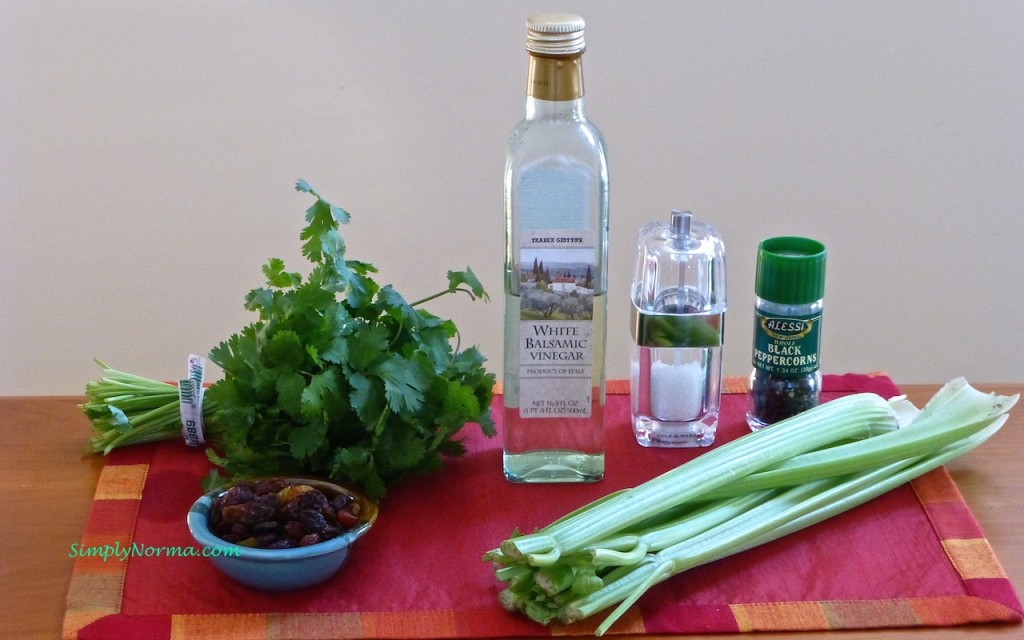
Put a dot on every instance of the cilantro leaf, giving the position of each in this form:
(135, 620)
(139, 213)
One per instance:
(433, 343)
(290, 386)
(336, 351)
(359, 288)
(469, 279)
(357, 464)
(368, 344)
(406, 449)
(322, 242)
(460, 404)
(404, 382)
(321, 386)
(278, 277)
(118, 419)
(305, 440)
(394, 305)
(367, 398)
(284, 349)
(261, 300)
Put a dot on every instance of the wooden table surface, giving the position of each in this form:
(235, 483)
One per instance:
(47, 485)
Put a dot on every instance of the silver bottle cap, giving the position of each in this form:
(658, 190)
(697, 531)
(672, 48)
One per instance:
(555, 34)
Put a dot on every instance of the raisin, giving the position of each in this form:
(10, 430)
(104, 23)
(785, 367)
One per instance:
(312, 521)
(310, 501)
(238, 494)
(294, 492)
(329, 531)
(248, 513)
(346, 519)
(267, 526)
(341, 501)
(270, 485)
(294, 529)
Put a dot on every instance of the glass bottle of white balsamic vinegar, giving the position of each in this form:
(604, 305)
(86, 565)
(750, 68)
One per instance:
(556, 269)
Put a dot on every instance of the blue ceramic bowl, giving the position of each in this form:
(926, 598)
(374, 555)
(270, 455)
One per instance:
(280, 569)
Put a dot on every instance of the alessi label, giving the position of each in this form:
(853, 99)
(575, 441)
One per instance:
(787, 328)
(786, 346)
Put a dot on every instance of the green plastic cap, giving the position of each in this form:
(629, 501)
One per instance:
(790, 270)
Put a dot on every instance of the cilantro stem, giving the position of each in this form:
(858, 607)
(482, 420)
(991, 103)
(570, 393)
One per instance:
(443, 293)
(125, 409)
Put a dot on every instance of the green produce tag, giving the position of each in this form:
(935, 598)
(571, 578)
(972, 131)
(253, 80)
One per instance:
(786, 346)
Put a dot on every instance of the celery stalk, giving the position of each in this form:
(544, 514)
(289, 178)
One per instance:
(852, 416)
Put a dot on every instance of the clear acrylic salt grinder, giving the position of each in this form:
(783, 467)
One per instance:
(677, 322)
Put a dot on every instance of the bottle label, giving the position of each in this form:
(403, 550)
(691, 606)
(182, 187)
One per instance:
(786, 346)
(555, 368)
(556, 295)
(554, 198)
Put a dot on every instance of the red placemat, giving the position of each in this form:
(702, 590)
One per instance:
(913, 557)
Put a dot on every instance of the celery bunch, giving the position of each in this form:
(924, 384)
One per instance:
(753, 490)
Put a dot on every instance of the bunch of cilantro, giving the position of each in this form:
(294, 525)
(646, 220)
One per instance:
(342, 377)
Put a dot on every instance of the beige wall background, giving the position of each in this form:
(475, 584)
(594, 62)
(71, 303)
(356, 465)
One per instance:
(148, 152)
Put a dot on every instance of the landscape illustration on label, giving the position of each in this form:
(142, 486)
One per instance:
(556, 284)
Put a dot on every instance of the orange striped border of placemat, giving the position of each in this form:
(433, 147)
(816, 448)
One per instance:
(97, 581)
(968, 551)
(965, 545)
(377, 625)
(340, 626)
